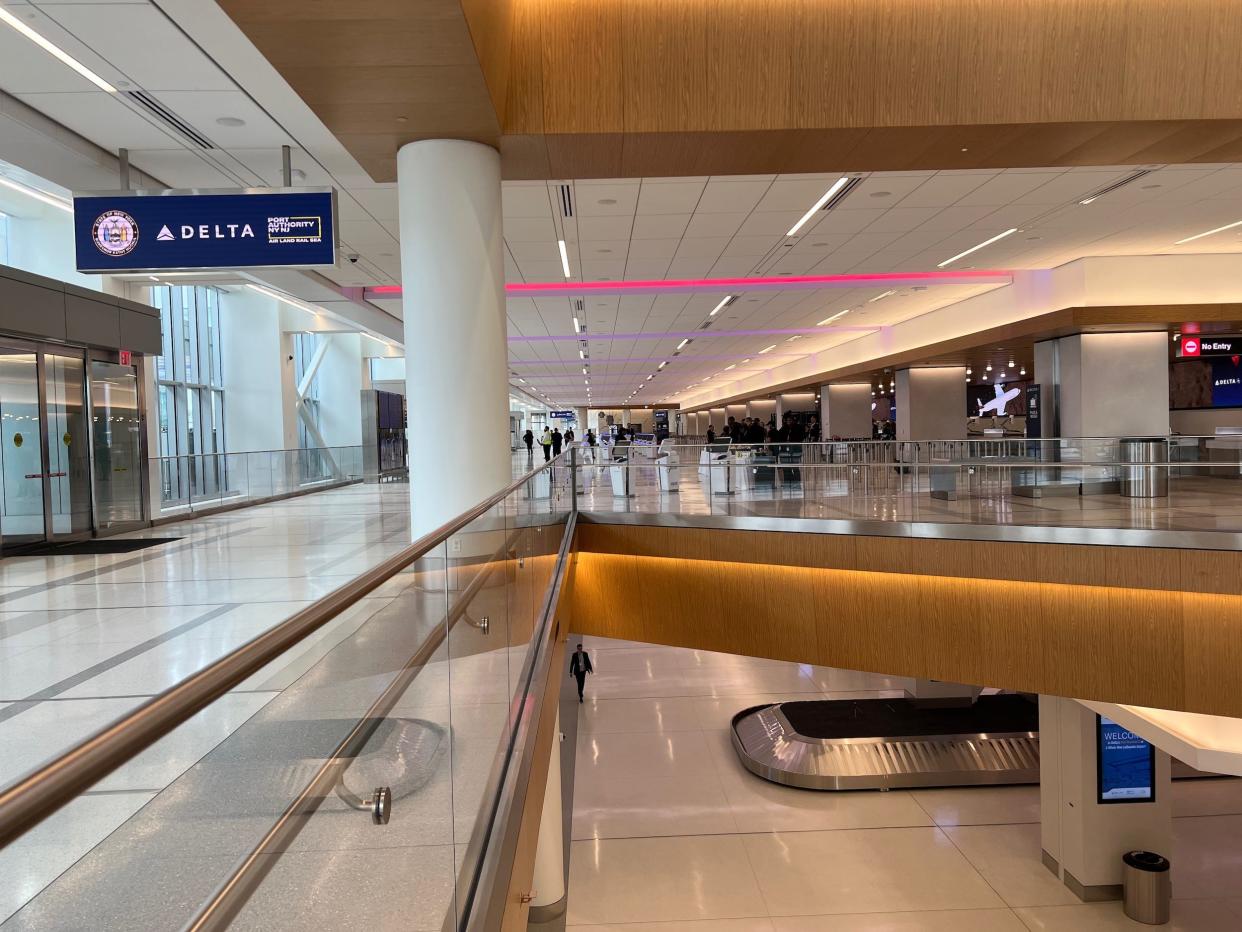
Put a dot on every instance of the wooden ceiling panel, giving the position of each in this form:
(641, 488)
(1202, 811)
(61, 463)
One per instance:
(676, 87)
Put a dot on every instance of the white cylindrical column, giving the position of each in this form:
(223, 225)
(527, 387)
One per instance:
(548, 881)
(452, 271)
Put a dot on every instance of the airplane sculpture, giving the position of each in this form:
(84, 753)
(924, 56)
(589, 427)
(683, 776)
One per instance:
(998, 404)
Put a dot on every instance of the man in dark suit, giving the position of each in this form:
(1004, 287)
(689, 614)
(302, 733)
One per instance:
(579, 667)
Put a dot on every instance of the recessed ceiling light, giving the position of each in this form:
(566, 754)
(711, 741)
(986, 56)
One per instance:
(989, 367)
(1023, 372)
(881, 193)
(767, 349)
(836, 186)
(1149, 187)
(44, 196)
(723, 301)
(55, 51)
(1227, 226)
(975, 248)
(1011, 364)
(964, 149)
(607, 201)
(230, 121)
(564, 257)
(836, 316)
(881, 297)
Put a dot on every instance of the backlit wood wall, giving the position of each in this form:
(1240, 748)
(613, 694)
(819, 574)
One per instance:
(1147, 627)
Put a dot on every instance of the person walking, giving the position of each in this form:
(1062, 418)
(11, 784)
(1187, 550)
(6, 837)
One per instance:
(579, 667)
(569, 436)
(546, 442)
(529, 439)
(711, 434)
(557, 439)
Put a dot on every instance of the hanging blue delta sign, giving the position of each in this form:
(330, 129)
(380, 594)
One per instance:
(164, 231)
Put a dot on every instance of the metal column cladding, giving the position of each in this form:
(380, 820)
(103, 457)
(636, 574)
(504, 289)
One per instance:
(162, 231)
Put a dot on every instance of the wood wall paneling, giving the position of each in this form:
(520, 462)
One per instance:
(1167, 649)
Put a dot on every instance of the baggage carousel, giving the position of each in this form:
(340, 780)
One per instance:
(856, 744)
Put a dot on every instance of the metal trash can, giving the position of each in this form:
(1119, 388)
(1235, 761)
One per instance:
(1148, 888)
(1151, 479)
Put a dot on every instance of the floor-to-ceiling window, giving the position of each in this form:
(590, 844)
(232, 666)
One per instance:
(189, 376)
(307, 352)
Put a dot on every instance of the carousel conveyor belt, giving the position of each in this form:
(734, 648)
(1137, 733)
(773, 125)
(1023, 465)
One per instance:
(855, 744)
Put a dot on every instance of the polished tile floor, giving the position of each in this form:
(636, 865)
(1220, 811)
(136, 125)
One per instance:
(671, 833)
(85, 639)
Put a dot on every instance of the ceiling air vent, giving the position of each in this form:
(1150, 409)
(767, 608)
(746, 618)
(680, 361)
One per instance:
(168, 118)
(842, 194)
(705, 325)
(567, 200)
(1108, 189)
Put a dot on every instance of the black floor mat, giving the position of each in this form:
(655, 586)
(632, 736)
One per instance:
(894, 718)
(90, 547)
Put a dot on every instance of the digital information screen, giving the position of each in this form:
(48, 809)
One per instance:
(160, 231)
(1126, 765)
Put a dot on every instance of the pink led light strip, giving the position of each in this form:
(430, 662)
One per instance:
(741, 285)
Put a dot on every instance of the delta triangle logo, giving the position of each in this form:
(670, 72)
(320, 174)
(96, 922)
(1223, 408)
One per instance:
(165, 234)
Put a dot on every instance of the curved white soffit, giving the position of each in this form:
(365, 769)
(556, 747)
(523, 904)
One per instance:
(1211, 743)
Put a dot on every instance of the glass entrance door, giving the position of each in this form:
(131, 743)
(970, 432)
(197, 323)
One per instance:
(68, 448)
(118, 444)
(21, 452)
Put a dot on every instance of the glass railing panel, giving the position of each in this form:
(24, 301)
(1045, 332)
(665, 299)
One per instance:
(208, 794)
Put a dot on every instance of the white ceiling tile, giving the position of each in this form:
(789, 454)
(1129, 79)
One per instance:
(751, 246)
(1068, 187)
(653, 248)
(598, 270)
(841, 221)
(900, 219)
(660, 226)
(944, 188)
(791, 193)
(601, 228)
(531, 230)
(179, 168)
(717, 224)
(201, 110)
(673, 197)
(102, 119)
(724, 195)
(590, 194)
(1006, 187)
(773, 224)
(26, 68)
(525, 200)
(954, 218)
(701, 248)
(144, 44)
(881, 190)
(645, 269)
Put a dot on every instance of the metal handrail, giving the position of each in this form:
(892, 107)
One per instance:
(235, 891)
(42, 792)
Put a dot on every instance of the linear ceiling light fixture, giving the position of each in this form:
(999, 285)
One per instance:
(661, 365)
(38, 195)
(1227, 226)
(683, 344)
(1108, 189)
(564, 257)
(819, 205)
(55, 51)
(768, 349)
(986, 242)
(836, 316)
(719, 307)
(285, 299)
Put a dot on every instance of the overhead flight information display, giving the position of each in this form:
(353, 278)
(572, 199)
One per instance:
(163, 231)
(1126, 764)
